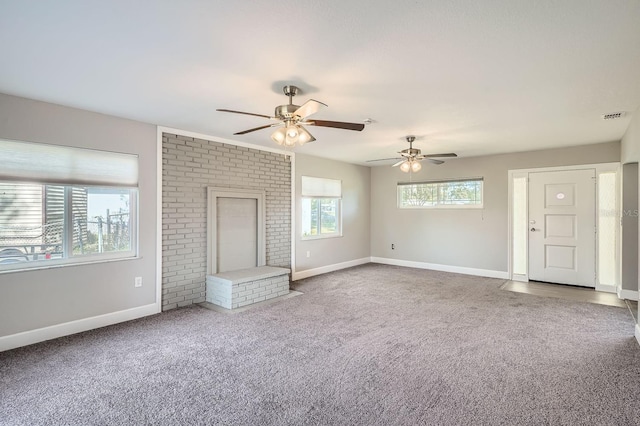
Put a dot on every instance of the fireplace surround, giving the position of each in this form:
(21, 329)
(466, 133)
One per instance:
(236, 272)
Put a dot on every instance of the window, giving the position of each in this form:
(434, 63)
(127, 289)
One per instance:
(446, 193)
(520, 230)
(61, 205)
(321, 199)
(608, 228)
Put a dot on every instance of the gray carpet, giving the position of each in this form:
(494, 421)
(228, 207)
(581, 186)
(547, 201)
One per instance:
(371, 345)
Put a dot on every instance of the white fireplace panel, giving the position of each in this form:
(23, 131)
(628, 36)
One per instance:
(237, 229)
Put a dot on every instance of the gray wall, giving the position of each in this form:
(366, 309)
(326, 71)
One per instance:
(472, 238)
(631, 149)
(36, 299)
(630, 144)
(190, 165)
(629, 272)
(355, 241)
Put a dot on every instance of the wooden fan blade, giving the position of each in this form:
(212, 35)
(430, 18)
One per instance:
(337, 124)
(382, 159)
(448, 154)
(308, 108)
(244, 132)
(398, 163)
(245, 113)
(431, 160)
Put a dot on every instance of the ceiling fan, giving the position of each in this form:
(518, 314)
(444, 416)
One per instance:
(410, 158)
(291, 118)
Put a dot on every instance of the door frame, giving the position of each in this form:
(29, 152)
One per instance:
(213, 193)
(599, 168)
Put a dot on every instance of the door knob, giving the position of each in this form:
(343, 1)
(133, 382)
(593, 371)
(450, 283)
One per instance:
(533, 229)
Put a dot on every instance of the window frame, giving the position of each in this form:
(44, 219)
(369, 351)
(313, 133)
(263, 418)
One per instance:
(69, 258)
(320, 188)
(338, 216)
(438, 204)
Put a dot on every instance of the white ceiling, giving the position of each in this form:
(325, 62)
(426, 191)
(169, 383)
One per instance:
(473, 77)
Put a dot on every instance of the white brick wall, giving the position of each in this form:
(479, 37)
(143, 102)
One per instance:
(189, 165)
(231, 295)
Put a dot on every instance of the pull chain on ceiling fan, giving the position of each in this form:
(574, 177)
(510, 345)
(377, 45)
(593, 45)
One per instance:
(291, 118)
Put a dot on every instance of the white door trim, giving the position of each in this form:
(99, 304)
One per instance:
(599, 168)
(213, 193)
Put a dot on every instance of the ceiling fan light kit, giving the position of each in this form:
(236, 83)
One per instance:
(411, 166)
(279, 136)
(290, 135)
(291, 117)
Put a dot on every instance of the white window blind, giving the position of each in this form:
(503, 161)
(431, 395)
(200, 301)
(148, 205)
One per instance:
(321, 187)
(54, 164)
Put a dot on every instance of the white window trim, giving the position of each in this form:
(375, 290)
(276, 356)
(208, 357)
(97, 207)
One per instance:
(80, 259)
(58, 264)
(440, 206)
(338, 233)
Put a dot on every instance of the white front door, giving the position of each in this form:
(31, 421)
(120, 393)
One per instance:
(562, 227)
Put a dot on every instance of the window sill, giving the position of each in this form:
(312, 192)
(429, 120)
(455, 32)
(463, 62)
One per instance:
(320, 237)
(444, 207)
(45, 266)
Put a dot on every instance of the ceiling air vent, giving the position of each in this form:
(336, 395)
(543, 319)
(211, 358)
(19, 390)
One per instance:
(613, 115)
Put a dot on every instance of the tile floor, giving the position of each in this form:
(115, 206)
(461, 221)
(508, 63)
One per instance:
(566, 292)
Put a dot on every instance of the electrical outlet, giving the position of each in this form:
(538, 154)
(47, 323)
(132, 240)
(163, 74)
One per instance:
(393, 246)
(137, 282)
(308, 253)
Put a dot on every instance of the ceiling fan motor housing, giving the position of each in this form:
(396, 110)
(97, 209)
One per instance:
(284, 112)
(410, 152)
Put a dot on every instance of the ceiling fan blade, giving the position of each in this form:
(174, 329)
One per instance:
(398, 163)
(383, 159)
(310, 107)
(244, 132)
(337, 124)
(431, 160)
(448, 154)
(245, 113)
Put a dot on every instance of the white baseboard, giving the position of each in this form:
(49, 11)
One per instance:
(329, 268)
(520, 277)
(638, 333)
(606, 288)
(445, 268)
(627, 294)
(47, 333)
